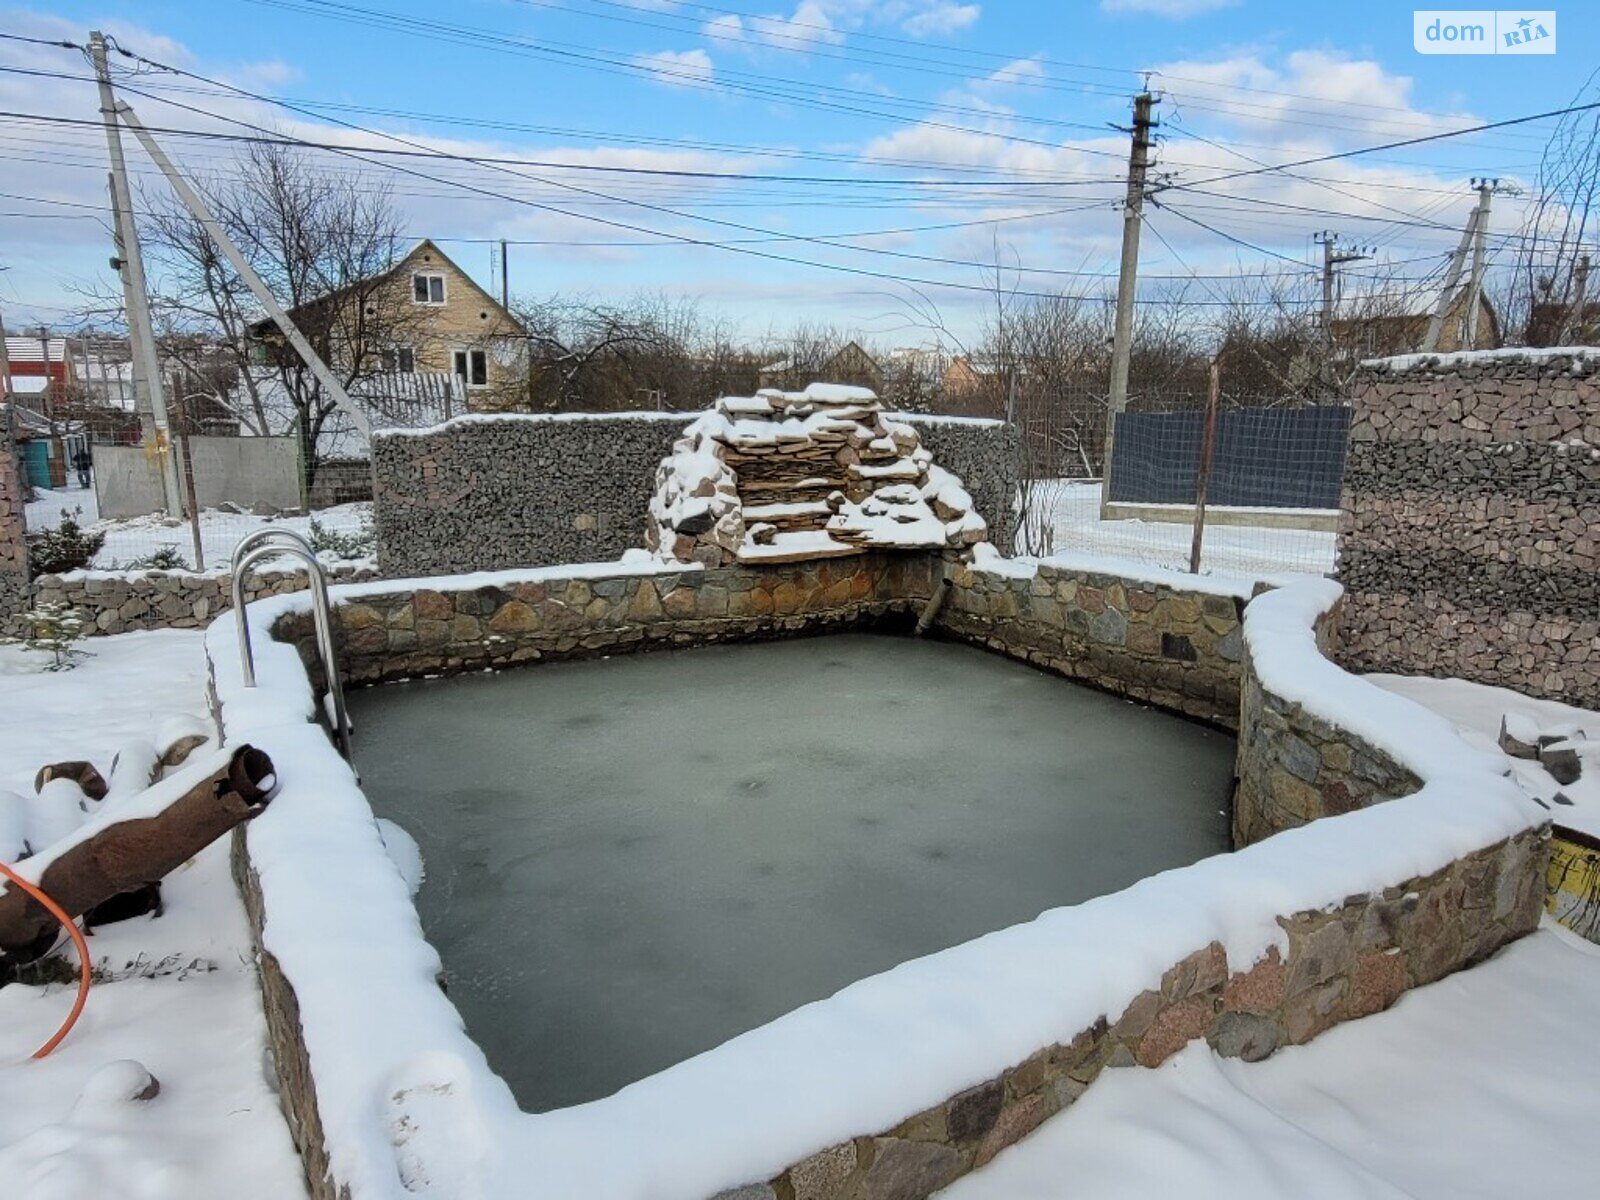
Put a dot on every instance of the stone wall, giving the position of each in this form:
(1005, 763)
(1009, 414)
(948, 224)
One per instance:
(1294, 766)
(410, 632)
(1339, 963)
(121, 603)
(1174, 648)
(490, 493)
(297, 1088)
(1470, 542)
(984, 456)
(1350, 962)
(13, 548)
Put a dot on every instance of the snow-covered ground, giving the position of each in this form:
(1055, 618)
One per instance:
(1484, 1084)
(1477, 709)
(1254, 551)
(137, 537)
(181, 998)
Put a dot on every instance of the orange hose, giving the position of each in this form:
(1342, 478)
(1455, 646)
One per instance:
(71, 927)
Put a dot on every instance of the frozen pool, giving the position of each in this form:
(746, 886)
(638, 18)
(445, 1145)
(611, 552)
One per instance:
(634, 859)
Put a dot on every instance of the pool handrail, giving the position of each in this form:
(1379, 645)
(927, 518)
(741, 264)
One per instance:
(268, 543)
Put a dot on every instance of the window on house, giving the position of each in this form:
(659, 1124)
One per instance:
(400, 358)
(427, 288)
(473, 366)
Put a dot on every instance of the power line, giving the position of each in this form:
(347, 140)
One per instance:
(1416, 141)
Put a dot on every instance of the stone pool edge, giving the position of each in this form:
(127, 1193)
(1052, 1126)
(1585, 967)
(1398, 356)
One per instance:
(1446, 899)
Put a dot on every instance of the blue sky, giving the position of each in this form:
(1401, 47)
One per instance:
(888, 103)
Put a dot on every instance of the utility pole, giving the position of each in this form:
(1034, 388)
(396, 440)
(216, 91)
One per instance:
(1486, 190)
(5, 366)
(1332, 259)
(1127, 278)
(192, 201)
(505, 278)
(1574, 318)
(130, 266)
(1469, 237)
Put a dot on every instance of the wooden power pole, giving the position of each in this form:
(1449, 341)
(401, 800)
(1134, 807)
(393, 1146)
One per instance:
(1127, 279)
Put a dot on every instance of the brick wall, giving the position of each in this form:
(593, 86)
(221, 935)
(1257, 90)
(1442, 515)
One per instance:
(1470, 541)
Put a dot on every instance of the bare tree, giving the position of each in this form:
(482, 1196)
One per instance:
(1552, 297)
(326, 245)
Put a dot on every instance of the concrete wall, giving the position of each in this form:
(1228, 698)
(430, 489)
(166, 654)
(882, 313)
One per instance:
(260, 474)
(1470, 542)
(489, 493)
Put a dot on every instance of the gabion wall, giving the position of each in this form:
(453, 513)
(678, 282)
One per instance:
(1470, 541)
(488, 493)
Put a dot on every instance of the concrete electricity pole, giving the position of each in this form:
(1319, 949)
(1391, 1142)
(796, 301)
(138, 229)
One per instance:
(505, 278)
(130, 266)
(1127, 278)
(1332, 259)
(1486, 190)
(1469, 236)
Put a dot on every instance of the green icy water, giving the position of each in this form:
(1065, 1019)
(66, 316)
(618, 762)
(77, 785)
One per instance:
(632, 860)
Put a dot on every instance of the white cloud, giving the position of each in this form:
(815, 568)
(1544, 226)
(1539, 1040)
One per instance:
(941, 19)
(1022, 70)
(829, 22)
(1313, 94)
(678, 68)
(1178, 10)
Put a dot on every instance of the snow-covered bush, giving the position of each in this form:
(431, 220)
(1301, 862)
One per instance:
(54, 629)
(341, 543)
(65, 548)
(165, 558)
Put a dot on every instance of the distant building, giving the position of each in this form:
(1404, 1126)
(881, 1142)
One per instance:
(445, 323)
(849, 364)
(1374, 336)
(39, 365)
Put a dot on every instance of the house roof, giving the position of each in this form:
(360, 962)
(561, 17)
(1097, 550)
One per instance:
(267, 325)
(31, 349)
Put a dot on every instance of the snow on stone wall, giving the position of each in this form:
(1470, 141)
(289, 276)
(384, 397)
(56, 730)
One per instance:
(786, 476)
(1470, 543)
(903, 1081)
(492, 493)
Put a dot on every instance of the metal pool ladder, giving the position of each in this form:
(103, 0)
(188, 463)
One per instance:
(269, 543)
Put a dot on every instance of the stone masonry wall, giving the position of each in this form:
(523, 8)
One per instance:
(116, 603)
(1174, 649)
(1294, 767)
(13, 549)
(489, 493)
(984, 456)
(406, 633)
(1351, 962)
(1340, 964)
(1470, 540)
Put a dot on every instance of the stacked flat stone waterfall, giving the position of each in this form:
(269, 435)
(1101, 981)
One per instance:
(787, 476)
